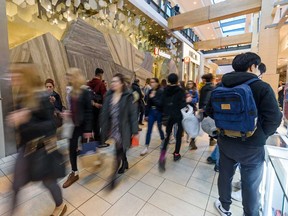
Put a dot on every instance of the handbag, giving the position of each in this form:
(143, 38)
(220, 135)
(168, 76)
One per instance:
(88, 154)
(57, 166)
(135, 141)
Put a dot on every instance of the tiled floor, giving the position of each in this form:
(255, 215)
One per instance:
(188, 187)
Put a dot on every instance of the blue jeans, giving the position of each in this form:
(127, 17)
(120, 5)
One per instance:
(215, 155)
(154, 115)
(251, 160)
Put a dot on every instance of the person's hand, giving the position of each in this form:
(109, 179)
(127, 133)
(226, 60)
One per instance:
(189, 99)
(87, 135)
(52, 99)
(152, 94)
(97, 105)
(19, 117)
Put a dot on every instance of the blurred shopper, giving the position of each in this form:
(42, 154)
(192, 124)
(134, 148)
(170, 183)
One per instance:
(99, 90)
(119, 120)
(146, 89)
(205, 94)
(33, 120)
(182, 85)
(191, 89)
(154, 112)
(55, 98)
(249, 153)
(173, 101)
(163, 83)
(82, 117)
(281, 88)
(106, 84)
(140, 100)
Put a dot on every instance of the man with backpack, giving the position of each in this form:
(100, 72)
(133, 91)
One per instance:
(173, 100)
(246, 113)
(98, 92)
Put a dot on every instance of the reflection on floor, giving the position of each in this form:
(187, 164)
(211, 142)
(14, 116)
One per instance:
(188, 187)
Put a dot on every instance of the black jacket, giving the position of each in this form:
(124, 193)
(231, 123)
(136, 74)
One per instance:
(155, 101)
(178, 98)
(269, 115)
(205, 94)
(136, 87)
(41, 122)
(84, 110)
(58, 103)
(128, 120)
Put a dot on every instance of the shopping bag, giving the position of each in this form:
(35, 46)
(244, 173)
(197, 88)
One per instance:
(190, 122)
(135, 141)
(209, 127)
(88, 153)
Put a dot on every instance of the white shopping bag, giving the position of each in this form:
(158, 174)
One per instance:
(190, 122)
(67, 128)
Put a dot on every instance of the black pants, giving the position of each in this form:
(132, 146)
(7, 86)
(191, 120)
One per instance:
(73, 146)
(170, 123)
(96, 125)
(21, 178)
(142, 111)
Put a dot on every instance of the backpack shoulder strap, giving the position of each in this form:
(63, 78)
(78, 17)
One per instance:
(249, 82)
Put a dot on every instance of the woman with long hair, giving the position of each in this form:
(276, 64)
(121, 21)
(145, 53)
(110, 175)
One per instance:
(82, 117)
(119, 120)
(33, 121)
(153, 112)
(55, 98)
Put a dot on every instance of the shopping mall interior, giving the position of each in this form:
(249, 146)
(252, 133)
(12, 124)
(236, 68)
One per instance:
(143, 39)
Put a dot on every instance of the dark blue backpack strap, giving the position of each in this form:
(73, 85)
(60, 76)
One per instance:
(251, 81)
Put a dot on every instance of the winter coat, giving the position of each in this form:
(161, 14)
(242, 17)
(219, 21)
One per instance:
(155, 101)
(136, 87)
(84, 113)
(128, 120)
(205, 94)
(41, 122)
(269, 115)
(97, 86)
(58, 103)
(177, 96)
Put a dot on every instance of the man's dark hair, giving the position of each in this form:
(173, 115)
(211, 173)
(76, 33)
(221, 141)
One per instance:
(242, 62)
(173, 78)
(148, 81)
(262, 68)
(137, 81)
(99, 71)
(208, 77)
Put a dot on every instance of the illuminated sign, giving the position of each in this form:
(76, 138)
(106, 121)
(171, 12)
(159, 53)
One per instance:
(159, 52)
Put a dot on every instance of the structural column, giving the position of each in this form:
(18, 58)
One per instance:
(7, 138)
(269, 45)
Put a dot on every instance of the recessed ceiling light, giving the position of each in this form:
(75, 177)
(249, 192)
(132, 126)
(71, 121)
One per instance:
(278, 6)
(194, 2)
(208, 27)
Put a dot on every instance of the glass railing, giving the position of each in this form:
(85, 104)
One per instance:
(166, 10)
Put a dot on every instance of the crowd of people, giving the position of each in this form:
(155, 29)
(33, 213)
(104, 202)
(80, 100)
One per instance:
(116, 113)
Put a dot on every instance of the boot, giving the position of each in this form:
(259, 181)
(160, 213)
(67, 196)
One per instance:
(162, 161)
(124, 166)
(192, 144)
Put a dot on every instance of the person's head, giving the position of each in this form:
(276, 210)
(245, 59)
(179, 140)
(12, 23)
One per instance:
(99, 73)
(25, 78)
(182, 84)
(280, 82)
(173, 79)
(191, 85)
(147, 81)
(137, 81)
(49, 85)
(118, 83)
(246, 62)
(208, 77)
(154, 82)
(262, 68)
(77, 79)
(164, 83)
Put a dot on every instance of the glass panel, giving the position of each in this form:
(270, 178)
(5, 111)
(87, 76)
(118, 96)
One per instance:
(217, 1)
(232, 19)
(237, 26)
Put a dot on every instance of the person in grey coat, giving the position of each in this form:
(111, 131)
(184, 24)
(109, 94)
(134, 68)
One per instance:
(119, 120)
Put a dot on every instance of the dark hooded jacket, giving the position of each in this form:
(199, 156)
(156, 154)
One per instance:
(155, 101)
(177, 96)
(269, 115)
(128, 121)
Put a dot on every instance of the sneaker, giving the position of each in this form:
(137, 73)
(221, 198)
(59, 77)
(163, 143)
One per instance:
(212, 142)
(237, 185)
(220, 209)
(192, 145)
(237, 195)
(144, 152)
(60, 210)
(210, 160)
(70, 180)
(177, 157)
